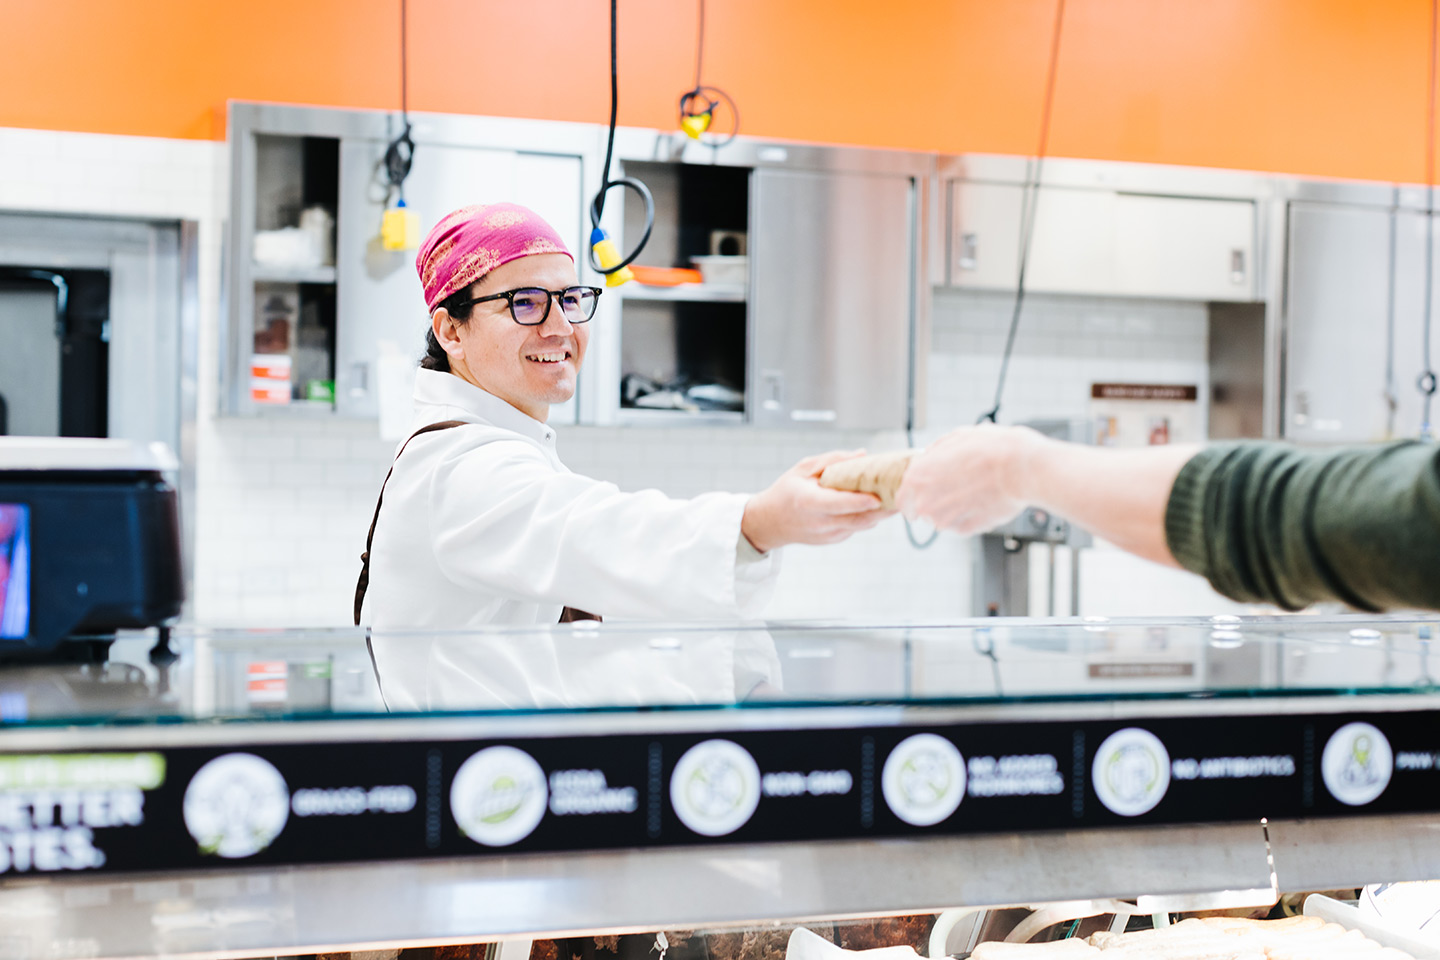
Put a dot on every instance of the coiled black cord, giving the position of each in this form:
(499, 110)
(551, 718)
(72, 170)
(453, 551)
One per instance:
(597, 205)
(702, 94)
(400, 152)
(1030, 201)
(1027, 213)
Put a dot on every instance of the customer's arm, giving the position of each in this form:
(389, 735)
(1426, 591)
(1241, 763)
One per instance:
(1261, 521)
(975, 478)
(1273, 523)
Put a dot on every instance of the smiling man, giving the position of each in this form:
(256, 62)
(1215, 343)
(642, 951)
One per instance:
(479, 522)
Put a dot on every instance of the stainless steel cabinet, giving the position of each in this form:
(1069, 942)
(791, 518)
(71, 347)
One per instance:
(1104, 243)
(1338, 350)
(1407, 341)
(1337, 278)
(361, 321)
(832, 262)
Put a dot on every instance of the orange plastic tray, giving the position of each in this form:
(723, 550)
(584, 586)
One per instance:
(664, 276)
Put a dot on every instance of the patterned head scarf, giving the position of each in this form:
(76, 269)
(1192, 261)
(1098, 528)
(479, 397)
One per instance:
(472, 241)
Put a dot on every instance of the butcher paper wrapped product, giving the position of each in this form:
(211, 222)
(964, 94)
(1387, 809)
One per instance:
(1210, 938)
(878, 473)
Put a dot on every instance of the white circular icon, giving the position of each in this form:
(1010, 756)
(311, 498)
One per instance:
(1357, 764)
(715, 787)
(236, 805)
(498, 796)
(1131, 771)
(923, 779)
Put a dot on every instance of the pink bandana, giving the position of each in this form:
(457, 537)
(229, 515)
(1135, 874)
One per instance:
(472, 241)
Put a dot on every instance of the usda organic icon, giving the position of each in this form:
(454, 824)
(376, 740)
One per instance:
(1131, 771)
(715, 787)
(236, 805)
(1357, 764)
(923, 779)
(498, 796)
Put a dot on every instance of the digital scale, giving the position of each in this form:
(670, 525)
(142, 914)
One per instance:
(89, 544)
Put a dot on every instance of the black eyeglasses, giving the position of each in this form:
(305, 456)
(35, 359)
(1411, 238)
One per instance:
(530, 306)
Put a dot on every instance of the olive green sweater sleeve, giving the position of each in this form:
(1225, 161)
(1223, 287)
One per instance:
(1272, 523)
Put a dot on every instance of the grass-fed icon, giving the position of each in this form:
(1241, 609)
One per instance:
(1131, 771)
(498, 796)
(1357, 764)
(236, 805)
(715, 787)
(923, 779)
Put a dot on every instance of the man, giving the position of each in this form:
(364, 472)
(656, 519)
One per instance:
(481, 523)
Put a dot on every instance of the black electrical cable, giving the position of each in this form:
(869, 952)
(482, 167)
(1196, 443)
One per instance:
(1427, 382)
(709, 103)
(1029, 201)
(1027, 212)
(702, 93)
(700, 45)
(400, 152)
(597, 205)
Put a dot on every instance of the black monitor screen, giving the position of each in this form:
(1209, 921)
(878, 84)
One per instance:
(14, 571)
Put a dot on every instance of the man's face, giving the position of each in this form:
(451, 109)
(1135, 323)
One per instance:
(527, 367)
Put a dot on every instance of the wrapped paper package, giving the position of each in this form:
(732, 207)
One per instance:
(878, 473)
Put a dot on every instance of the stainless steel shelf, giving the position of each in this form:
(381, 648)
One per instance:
(687, 292)
(300, 910)
(641, 417)
(301, 409)
(265, 273)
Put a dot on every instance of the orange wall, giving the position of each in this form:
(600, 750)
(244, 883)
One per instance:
(1320, 87)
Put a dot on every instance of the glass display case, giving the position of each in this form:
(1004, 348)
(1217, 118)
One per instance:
(297, 792)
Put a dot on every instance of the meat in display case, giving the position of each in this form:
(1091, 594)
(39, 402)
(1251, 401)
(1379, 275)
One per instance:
(293, 792)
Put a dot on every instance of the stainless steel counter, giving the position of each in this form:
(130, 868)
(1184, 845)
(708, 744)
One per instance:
(1258, 812)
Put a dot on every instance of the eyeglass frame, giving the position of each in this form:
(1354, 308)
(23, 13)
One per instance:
(550, 297)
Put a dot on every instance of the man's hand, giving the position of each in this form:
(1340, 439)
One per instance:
(796, 509)
(969, 480)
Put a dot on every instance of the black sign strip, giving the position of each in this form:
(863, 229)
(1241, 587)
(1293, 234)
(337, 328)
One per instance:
(198, 808)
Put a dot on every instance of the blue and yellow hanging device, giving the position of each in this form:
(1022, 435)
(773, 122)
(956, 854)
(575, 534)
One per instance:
(697, 112)
(605, 257)
(609, 259)
(400, 226)
(698, 105)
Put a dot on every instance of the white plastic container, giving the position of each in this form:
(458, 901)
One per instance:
(730, 271)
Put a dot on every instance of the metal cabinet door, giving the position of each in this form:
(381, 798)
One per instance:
(832, 260)
(1337, 282)
(379, 298)
(1190, 248)
(1408, 340)
(1072, 249)
(984, 235)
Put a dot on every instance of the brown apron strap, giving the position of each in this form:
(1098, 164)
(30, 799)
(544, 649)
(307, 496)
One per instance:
(571, 614)
(568, 615)
(363, 583)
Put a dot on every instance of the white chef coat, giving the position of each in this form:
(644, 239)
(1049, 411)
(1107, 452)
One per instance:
(482, 524)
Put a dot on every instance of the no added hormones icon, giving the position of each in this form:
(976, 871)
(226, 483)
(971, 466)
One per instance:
(1131, 771)
(498, 796)
(1357, 764)
(715, 787)
(923, 779)
(236, 805)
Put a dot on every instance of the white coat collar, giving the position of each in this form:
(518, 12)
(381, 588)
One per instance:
(434, 388)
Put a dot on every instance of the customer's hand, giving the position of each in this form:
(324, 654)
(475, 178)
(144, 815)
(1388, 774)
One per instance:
(970, 480)
(796, 509)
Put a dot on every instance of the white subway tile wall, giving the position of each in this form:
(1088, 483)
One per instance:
(283, 504)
